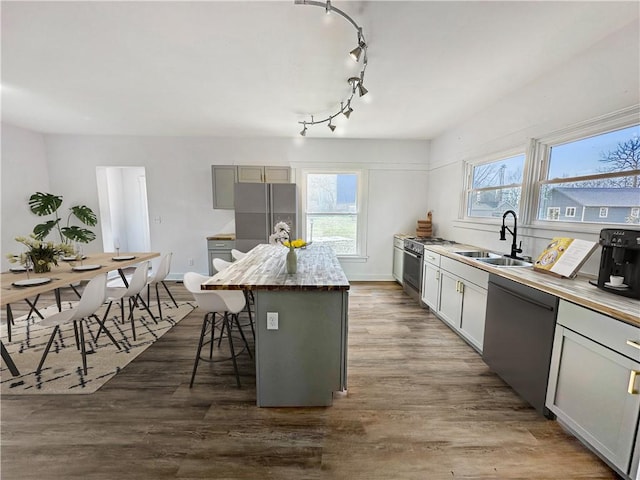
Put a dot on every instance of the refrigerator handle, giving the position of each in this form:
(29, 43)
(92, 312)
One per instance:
(269, 203)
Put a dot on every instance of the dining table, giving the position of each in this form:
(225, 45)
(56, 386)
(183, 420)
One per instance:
(18, 286)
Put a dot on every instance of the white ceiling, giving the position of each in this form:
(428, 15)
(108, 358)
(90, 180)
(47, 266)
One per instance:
(253, 69)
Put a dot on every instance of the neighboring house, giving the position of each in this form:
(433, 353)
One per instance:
(487, 208)
(598, 205)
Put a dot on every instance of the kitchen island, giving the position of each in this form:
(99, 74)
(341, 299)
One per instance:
(301, 356)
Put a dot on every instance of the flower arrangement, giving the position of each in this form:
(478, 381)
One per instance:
(42, 254)
(281, 235)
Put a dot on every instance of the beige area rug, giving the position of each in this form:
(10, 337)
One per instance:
(62, 372)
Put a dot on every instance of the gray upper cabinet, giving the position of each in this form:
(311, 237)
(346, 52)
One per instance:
(259, 174)
(223, 178)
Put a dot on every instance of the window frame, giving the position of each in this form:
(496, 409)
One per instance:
(468, 190)
(361, 206)
(538, 166)
(604, 212)
(573, 212)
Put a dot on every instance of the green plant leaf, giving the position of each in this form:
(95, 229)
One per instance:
(44, 203)
(85, 215)
(77, 234)
(41, 230)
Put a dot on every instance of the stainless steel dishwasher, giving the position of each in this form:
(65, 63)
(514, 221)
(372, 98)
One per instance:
(518, 337)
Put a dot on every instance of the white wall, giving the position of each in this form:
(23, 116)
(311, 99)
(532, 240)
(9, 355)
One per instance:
(24, 171)
(604, 79)
(178, 173)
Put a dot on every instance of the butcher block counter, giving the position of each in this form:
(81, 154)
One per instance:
(301, 353)
(577, 290)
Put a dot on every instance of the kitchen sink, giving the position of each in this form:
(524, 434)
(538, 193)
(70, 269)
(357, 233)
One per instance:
(503, 262)
(478, 254)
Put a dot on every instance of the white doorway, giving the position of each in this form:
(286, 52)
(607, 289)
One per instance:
(124, 212)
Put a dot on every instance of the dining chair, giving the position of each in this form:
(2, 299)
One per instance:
(225, 304)
(219, 264)
(158, 278)
(132, 294)
(237, 254)
(92, 299)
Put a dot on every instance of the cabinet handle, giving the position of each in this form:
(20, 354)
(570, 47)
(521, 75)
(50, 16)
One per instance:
(632, 382)
(438, 276)
(634, 344)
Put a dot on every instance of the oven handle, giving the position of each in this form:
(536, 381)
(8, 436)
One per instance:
(412, 254)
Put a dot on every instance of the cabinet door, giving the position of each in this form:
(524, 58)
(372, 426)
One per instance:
(431, 286)
(450, 299)
(223, 179)
(277, 174)
(474, 308)
(589, 392)
(398, 262)
(250, 174)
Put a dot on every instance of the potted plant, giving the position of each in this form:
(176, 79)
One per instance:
(44, 254)
(43, 204)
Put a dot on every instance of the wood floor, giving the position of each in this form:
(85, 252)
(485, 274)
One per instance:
(421, 405)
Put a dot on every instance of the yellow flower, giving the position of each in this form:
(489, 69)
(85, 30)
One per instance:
(298, 243)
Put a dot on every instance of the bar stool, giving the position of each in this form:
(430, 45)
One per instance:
(225, 304)
(219, 264)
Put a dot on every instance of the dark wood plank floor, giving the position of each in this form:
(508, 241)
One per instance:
(421, 405)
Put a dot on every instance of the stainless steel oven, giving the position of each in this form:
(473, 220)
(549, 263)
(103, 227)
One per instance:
(412, 268)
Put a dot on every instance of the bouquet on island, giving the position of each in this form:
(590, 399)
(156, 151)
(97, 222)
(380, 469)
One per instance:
(281, 235)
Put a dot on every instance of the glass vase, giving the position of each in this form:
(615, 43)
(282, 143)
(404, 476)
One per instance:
(292, 261)
(38, 267)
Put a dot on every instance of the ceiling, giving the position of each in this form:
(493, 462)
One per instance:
(256, 69)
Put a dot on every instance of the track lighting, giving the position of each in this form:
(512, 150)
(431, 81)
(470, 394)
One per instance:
(356, 54)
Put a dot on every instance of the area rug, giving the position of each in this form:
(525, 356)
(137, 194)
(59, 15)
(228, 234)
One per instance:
(62, 372)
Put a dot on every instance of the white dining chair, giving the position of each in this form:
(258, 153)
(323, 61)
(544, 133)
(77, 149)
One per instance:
(158, 278)
(237, 254)
(92, 299)
(219, 265)
(226, 304)
(131, 294)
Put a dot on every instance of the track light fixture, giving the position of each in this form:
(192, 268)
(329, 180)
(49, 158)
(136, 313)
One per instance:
(360, 51)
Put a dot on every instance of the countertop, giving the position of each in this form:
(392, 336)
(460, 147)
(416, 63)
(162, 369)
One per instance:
(222, 236)
(263, 268)
(577, 290)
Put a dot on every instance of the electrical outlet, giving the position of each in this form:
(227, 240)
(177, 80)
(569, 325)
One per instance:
(272, 320)
(191, 262)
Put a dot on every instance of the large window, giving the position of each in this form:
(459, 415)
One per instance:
(332, 211)
(494, 187)
(594, 179)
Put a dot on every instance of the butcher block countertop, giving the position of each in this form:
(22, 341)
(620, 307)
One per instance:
(264, 269)
(577, 290)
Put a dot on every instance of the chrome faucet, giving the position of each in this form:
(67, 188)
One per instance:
(515, 250)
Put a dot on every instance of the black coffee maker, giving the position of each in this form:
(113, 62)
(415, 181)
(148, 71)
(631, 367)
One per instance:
(620, 258)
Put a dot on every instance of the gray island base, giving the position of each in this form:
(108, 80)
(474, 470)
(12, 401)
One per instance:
(304, 361)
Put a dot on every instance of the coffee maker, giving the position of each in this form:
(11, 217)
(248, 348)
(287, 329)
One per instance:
(620, 258)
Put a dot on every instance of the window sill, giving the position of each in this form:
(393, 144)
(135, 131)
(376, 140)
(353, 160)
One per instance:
(539, 228)
(352, 258)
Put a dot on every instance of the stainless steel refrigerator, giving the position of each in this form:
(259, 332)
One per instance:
(259, 206)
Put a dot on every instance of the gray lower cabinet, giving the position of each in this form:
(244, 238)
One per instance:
(219, 249)
(594, 384)
(457, 294)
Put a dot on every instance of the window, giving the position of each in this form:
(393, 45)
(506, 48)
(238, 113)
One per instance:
(332, 211)
(635, 212)
(570, 212)
(553, 213)
(494, 187)
(600, 173)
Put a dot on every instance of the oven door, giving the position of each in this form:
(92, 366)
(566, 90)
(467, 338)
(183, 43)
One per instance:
(412, 271)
